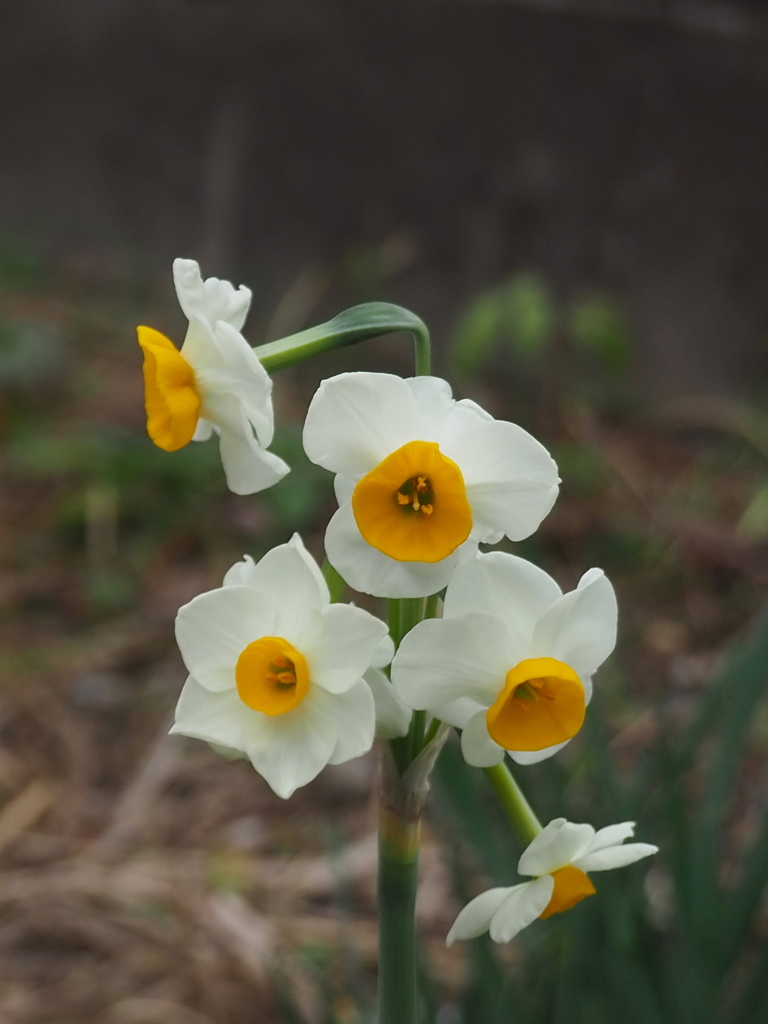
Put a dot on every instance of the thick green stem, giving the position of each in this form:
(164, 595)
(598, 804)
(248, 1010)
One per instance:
(370, 320)
(511, 798)
(398, 868)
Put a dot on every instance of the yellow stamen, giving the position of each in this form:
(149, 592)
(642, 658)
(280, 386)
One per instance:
(170, 394)
(271, 676)
(542, 703)
(413, 506)
(571, 886)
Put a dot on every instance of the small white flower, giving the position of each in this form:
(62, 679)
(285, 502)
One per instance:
(511, 661)
(214, 384)
(276, 670)
(421, 480)
(558, 859)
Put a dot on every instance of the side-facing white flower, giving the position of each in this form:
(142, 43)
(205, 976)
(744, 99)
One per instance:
(558, 859)
(276, 670)
(421, 479)
(214, 384)
(511, 661)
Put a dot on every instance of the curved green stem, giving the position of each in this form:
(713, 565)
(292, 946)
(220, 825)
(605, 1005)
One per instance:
(511, 798)
(369, 320)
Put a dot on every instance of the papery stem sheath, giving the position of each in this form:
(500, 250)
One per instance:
(511, 798)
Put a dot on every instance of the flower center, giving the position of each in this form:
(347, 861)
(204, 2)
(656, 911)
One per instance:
(571, 886)
(170, 394)
(413, 506)
(542, 703)
(271, 676)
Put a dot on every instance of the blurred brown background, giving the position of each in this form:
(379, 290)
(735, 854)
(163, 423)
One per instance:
(573, 196)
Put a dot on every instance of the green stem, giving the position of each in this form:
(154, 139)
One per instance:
(511, 798)
(369, 320)
(398, 869)
(336, 583)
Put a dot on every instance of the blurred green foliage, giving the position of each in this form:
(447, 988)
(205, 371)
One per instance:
(523, 328)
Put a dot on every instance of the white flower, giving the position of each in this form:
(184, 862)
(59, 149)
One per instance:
(511, 661)
(421, 480)
(214, 384)
(558, 858)
(276, 670)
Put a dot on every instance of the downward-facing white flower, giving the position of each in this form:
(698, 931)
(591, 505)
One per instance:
(559, 859)
(214, 384)
(421, 478)
(511, 661)
(276, 670)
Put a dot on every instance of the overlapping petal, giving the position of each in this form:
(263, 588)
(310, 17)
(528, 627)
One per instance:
(213, 629)
(558, 859)
(580, 628)
(441, 660)
(272, 625)
(501, 479)
(217, 386)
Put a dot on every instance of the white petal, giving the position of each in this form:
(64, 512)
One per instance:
(244, 377)
(239, 575)
(248, 467)
(189, 288)
(612, 835)
(203, 430)
(511, 479)
(356, 419)
(343, 488)
(213, 299)
(227, 303)
(478, 748)
(505, 586)
(580, 628)
(354, 717)
(443, 659)
(475, 918)
(523, 905)
(458, 712)
(369, 571)
(384, 653)
(345, 648)
(215, 628)
(289, 578)
(555, 846)
(614, 856)
(392, 716)
(535, 756)
(292, 749)
(217, 718)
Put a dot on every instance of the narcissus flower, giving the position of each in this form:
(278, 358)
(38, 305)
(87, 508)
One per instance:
(214, 384)
(421, 479)
(559, 859)
(276, 670)
(511, 661)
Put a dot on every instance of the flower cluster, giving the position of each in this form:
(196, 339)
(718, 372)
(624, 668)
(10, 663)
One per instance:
(283, 676)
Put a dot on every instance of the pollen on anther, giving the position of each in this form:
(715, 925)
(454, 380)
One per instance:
(403, 499)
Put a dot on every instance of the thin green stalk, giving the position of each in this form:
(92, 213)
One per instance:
(369, 320)
(511, 798)
(336, 583)
(397, 883)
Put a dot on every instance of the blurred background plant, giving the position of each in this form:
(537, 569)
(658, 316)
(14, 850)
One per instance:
(590, 262)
